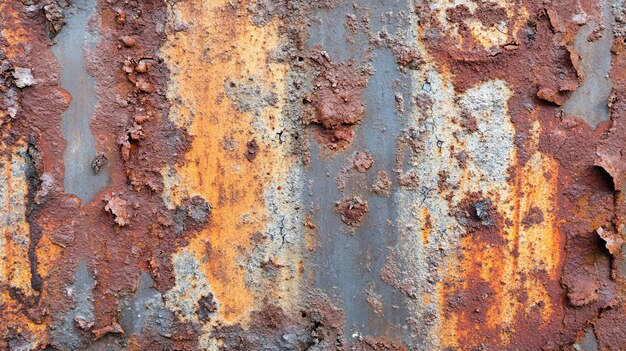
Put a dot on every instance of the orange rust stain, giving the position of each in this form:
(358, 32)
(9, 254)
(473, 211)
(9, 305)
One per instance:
(221, 45)
(532, 245)
(47, 252)
(540, 245)
(448, 329)
(14, 267)
(14, 229)
(14, 242)
(13, 31)
(427, 227)
(14, 319)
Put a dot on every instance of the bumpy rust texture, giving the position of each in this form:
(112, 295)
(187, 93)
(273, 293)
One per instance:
(312, 175)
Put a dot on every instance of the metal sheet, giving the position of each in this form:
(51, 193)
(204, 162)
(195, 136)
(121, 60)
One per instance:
(312, 175)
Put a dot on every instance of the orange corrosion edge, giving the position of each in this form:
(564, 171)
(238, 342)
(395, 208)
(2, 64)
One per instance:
(12, 30)
(14, 244)
(14, 233)
(221, 45)
(499, 285)
(427, 228)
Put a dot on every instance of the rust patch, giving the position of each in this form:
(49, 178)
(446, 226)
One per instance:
(533, 217)
(199, 239)
(382, 184)
(362, 161)
(352, 210)
(609, 329)
(582, 198)
(206, 307)
(318, 327)
(252, 149)
(336, 106)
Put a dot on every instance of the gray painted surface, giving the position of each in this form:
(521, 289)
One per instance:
(71, 44)
(349, 263)
(145, 308)
(589, 101)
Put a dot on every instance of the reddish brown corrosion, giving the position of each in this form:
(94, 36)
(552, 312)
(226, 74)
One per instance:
(362, 161)
(481, 220)
(586, 199)
(117, 253)
(131, 241)
(609, 329)
(252, 149)
(337, 106)
(534, 216)
(352, 209)
(317, 328)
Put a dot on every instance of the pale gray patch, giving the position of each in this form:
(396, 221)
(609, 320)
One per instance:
(588, 343)
(491, 146)
(146, 309)
(23, 77)
(249, 96)
(72, 45)
(191, 285)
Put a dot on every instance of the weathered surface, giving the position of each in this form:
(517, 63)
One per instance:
(312, 175)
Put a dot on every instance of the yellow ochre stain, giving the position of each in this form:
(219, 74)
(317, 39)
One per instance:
(221, 45)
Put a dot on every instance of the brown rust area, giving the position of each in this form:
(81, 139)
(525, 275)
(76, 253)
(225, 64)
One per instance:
(352, 209)
(336, 100)
(541, 71)
(609, 330)
(62, 232)
(382, 184)
(319, 326)
(362, 161)
(196, 122)
(132, 130)
(28, 109)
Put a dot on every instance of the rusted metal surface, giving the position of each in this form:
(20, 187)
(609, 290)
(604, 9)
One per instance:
(312, 175)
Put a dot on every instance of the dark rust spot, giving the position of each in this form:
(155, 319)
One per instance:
(252, 149)
(206, 307)
(352, 210)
